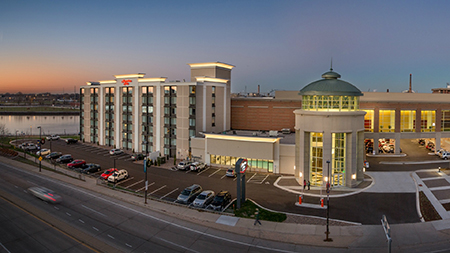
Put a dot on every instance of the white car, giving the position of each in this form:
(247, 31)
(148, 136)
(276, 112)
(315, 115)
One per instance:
(196, 166)
(117, 176)
(53, 137)
(116, 151)
(43, 151)
(204, 199)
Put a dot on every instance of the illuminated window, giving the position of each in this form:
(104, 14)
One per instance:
(316, 158)
(428, 121)
(407, 121)
(387, 121)
(338, 159)
(368, 120)
(330, 103)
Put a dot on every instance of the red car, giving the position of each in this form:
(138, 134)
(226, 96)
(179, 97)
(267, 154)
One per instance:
(108, 173)
(76, 164)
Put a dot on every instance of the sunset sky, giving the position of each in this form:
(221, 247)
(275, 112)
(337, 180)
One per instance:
(56, 46)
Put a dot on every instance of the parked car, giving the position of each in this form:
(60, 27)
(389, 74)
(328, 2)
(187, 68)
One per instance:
(71, 141)
(221, 200)
(118, 175)
(53, 137)
(53, 155)
(31, 146)
(43, 151)
(64, 159)
(90, 168)
(116, 151)
(76, 164)
(45, 194)
(203, 199)
(196, 166)
(445, 155)
(230, 173)
(189, 194)
(136, 157)
(438, 152)
(183, 165)
(422, 142)
(108, 173)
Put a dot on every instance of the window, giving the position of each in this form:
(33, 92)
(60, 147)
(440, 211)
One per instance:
(407, 121)
(428, 121)
(316, 154)
(338, 159)
(368, 120)
(387, 121)
(192, 89)
(445, 120)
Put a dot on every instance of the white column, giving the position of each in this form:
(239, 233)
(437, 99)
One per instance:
(136, 116)
(157, 108)
(224, 108)
(204, 108)
(117, 118)
(101, 115)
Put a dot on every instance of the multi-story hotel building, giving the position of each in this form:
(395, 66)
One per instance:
(152, 114)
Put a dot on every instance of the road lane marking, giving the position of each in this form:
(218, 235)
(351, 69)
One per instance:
(214, 173)
(168, 194)
(68, 214)
(202, 171)
(57, 208)
(128, 245)
(96, 229)
(162, 187)
(264, 179)
(80, 220)
(92, 210)
(178, 245)
(134, 184)
(3, 246)
(251, 177)
(110, 236)
(140, 189)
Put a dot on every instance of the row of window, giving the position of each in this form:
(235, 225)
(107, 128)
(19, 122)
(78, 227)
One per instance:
(408, 118)
(330, 103)
(252, 163)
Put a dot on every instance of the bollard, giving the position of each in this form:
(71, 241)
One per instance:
(300, 199)
(321, 202)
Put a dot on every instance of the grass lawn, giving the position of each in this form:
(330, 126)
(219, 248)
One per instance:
(248, 210)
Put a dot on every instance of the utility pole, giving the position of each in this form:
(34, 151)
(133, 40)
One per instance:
(40, 148)
(327, 239)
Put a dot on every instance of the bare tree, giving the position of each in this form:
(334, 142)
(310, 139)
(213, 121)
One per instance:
(3, 130)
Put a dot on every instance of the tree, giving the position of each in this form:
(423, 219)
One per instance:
(3, 130)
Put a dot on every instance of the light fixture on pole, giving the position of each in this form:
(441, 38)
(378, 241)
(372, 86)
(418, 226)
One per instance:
(327, 239)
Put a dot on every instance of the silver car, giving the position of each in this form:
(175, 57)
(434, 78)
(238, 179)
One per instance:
(204, 199)
(189, 194)
(45, 194)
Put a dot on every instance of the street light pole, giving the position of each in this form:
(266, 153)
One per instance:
(327, 239)
(39, 147)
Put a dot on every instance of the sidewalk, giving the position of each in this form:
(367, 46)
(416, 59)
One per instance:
(416, 237)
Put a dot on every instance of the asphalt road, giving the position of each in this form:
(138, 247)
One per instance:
(365, 208)
(110, 224)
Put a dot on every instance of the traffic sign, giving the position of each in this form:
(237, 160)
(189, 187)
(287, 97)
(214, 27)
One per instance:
(40, 158)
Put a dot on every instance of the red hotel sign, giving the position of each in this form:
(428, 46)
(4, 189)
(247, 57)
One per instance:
(126, 82)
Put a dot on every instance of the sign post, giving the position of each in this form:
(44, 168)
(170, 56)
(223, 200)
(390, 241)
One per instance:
(387, 231)
(240, 168)
(146, 182)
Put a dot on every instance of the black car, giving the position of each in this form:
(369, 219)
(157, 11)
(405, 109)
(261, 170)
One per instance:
(90, 168)
(53, 155)
(64, 159)
(221, 200)
(136, 157)
(70, 141)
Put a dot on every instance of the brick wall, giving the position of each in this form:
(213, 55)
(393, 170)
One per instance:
(261, 114)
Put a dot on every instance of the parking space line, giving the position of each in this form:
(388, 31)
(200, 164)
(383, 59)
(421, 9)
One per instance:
(140, 189)
(223, 176)
(168, 193)
(123, 181)
(214, 173)
(264, 179)
(251, 177)
(134, 184)
(189, 170)
(202, 171)
(162, 187)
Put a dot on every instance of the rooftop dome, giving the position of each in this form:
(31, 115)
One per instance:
(330, 86)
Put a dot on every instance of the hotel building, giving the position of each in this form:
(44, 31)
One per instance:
(141, 114)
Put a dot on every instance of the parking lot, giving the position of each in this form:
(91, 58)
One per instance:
(164, 182)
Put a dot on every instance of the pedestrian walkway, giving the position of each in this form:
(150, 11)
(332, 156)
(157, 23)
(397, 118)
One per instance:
(435, 184)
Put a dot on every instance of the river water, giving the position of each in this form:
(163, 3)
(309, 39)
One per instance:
(50, 124)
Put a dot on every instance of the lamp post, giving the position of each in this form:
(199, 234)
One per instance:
(39, 147)
(327, 239)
